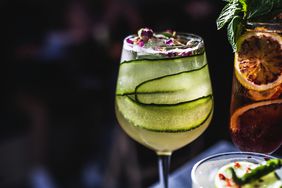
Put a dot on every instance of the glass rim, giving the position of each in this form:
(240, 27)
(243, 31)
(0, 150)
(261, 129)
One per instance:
(193, 177)
(265, 26)
(195, 50)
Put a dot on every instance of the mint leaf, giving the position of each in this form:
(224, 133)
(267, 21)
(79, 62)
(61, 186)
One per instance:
(227, 13)
(257, 8)
(237, 12)
(244, 6)
(234, 30)
(270, 15)
(277, 8)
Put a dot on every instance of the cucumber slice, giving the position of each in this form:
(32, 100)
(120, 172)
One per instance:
(166, 118)
(172, 89)
(133, 73)
(270, 181)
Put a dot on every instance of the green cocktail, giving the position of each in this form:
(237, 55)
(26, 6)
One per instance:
(164, 96)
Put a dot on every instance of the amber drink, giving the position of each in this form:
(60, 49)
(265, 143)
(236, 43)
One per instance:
(256, 105)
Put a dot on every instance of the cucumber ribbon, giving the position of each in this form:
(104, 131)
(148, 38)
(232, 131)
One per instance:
(257, 172)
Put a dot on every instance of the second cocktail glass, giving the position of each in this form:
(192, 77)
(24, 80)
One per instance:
(163, 96)
(256, 106)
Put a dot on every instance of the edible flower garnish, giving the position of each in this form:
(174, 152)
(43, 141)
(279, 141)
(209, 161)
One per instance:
(165, 43)
(128, 40)
(145, 34)
(169, 42)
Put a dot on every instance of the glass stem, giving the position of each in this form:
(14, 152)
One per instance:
(164, 164)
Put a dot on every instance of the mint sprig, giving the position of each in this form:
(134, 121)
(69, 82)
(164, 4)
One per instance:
(234, 30)
(231, 10)
(237, 12)
(258, 9)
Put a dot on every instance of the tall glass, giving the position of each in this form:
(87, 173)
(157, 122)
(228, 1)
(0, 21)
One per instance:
(256, 105)
(204, 172)
(164, 97)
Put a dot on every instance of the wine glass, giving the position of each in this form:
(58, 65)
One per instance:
(256, 105)
(163, 96)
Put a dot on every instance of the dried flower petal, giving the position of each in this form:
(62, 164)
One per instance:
(129, 41)
(145, 33)
(171, 54)
(141, 43)
(169, 42)
(186, 53)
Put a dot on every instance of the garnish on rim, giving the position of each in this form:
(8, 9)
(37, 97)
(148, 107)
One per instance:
(166, 43)
(238, 12)
(146, 36)
(258, 61)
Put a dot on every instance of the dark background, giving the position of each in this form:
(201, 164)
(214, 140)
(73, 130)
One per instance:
(58, 75)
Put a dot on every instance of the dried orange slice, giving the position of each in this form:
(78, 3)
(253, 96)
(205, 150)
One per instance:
(273, 93)
(258, 61)
(257, 127)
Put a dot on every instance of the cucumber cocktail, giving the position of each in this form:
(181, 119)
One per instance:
(163, 96)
